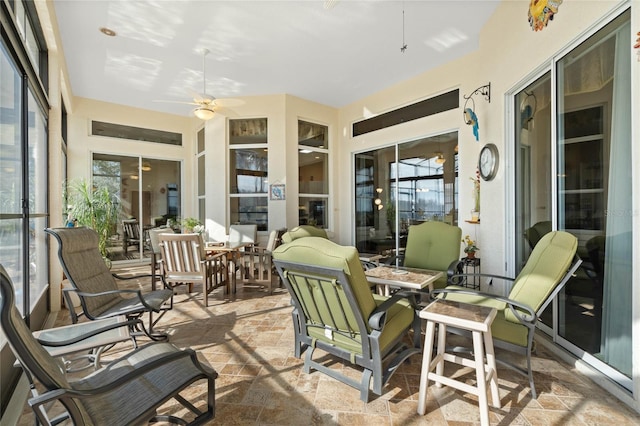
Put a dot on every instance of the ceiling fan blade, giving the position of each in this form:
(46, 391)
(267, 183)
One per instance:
(228, 102)
(178, 102)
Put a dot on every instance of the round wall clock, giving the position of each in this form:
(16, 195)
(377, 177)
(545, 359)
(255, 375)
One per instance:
(488, 161)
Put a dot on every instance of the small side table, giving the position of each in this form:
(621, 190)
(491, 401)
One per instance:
(476, 319)
(471, 266)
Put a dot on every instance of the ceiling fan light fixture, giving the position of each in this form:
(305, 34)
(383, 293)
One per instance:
(203, 113)
(440, 158)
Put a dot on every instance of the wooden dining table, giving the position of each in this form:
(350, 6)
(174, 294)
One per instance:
(235, 251)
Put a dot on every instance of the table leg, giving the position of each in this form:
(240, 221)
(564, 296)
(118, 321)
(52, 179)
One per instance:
(481, 377)
(491, 363)
(442, 346)
(426, 367)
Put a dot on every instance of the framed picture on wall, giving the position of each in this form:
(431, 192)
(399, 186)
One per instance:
(277, 192)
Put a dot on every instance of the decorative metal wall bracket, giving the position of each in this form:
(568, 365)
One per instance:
(482, 90)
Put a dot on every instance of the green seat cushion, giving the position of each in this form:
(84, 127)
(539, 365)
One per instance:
(545, 268)
(325, 253)
(501, 329)
(432, 245)
(303, 231)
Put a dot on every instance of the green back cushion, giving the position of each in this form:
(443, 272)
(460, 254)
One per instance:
(325, 253)
(303, 231)
(547, 265)
(432, 245)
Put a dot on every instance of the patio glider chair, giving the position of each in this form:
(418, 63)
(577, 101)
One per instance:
(433, 245)
(184, 261)
(551, 263)
(130, 234)
(303, 231)
(127, 391)
(335, 311)
(96, 286)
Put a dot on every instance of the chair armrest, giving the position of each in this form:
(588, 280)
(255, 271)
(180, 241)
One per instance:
(76, 339)
(500, 277)
(129, 376)
(395, 258)
(378, 317)
(523, 312)
(133, 277)
(103, 293)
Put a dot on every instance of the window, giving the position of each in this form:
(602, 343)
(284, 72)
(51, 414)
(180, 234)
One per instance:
(313, 174)
(248, 169)
(23, 157)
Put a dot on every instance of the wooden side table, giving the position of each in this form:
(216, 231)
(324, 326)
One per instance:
(476, 319)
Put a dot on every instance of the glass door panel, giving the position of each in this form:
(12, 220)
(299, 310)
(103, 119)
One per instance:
(403, 185)
(595, 193)
(149, 194)
(592, 190)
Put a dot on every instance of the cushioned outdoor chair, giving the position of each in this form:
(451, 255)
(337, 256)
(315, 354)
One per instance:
(127, 391)
(335, 310)
(432, 245)
(536, 232)
(303, 231)
(96, 287)
(184, 261)
(552, 262)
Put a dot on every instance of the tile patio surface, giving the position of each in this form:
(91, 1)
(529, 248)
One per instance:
(248, 340)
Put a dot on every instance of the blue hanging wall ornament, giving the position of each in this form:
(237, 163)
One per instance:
(468, 111)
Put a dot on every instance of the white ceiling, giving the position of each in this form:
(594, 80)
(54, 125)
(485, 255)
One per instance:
(333, 55)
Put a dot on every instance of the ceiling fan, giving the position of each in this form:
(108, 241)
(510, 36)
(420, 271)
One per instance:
(206, 105)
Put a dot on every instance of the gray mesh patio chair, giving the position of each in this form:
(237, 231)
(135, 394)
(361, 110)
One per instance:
(97, 288)
(127, 391)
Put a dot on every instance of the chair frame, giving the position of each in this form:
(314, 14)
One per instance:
(152, 362)
(184, 261)
(131, 311)
(524, 313)
(370, 329)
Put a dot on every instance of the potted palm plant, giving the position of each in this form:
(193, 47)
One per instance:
(95, 208)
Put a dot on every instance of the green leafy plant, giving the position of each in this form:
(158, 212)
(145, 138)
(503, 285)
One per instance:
(95, 208)
(190, 223)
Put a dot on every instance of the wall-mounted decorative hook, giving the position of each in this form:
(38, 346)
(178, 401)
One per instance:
(468, 110)
(482, 90)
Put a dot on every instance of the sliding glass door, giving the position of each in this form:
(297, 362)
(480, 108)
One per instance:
(578, 179)
(149, 194)
(402, 185)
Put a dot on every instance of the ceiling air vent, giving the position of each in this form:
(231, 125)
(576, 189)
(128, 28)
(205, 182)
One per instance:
(440, 103)
(99, 128)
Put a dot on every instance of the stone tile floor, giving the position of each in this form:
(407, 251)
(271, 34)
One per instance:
(248, 340)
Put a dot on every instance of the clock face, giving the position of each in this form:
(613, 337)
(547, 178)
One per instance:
(488, 161)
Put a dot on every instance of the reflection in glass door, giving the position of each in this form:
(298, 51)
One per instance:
(403, 185)
(149, 194)
(592, 192)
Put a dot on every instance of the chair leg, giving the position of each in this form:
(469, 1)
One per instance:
(530, 375)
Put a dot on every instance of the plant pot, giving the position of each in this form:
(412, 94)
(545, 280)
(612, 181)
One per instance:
(471, 254)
